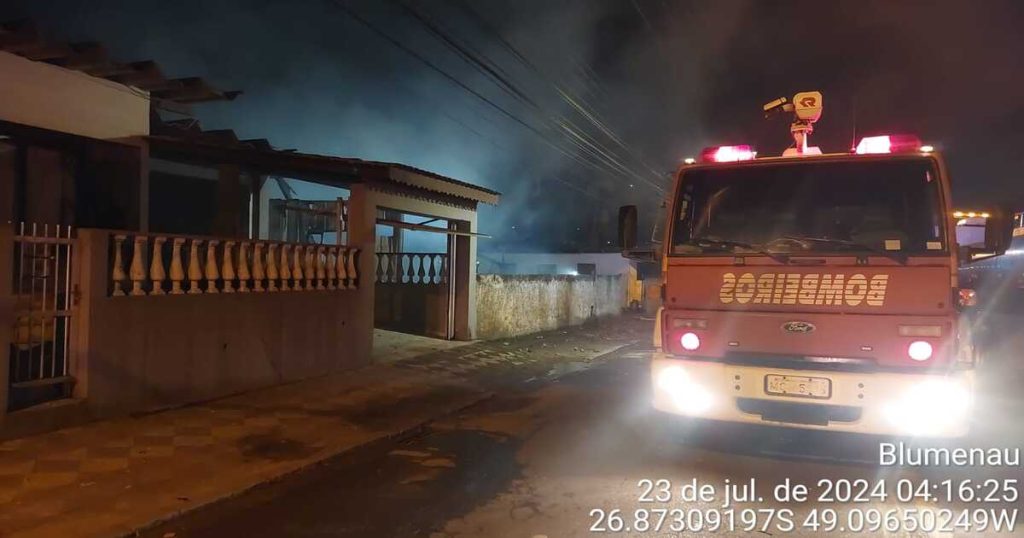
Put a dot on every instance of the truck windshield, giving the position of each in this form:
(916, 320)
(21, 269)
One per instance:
(889, 207)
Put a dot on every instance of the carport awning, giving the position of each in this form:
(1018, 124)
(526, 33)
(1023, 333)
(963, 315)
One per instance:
(425, 228)
(171, 141)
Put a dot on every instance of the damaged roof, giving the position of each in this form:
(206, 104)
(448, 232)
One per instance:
(24, 39)
(186, 139)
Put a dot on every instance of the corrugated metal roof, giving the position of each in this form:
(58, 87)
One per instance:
(24, 39)
(188, 137)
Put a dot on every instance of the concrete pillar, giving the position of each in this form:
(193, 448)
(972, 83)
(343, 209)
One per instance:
(465, 280)
(46, 183)
(90, 274)
(256, 219)
(229, 199)
(8, 174)
(143, 185)
(396, 240)
(362, 234)
(6, 310)
(268, 186)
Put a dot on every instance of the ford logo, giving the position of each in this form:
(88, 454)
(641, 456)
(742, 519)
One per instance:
(801, 327)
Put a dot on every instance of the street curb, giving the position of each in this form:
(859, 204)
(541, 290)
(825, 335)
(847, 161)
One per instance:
(389, 437)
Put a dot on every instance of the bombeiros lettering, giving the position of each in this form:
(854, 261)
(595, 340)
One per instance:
(804, 289)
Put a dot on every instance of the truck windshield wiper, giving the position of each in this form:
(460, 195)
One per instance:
(726, 243)
(898, 258)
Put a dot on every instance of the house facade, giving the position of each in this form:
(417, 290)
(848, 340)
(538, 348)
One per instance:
(139, 268)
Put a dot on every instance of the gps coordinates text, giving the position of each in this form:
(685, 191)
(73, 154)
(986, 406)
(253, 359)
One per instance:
(827, 505)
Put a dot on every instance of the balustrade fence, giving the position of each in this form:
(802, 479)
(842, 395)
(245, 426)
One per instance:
(212, 265)
(411, 268)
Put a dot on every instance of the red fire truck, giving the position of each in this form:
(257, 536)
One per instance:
(815, 290)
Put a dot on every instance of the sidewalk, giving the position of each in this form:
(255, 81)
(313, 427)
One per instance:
(111, 478)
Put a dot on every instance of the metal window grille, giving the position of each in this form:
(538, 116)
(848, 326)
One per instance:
(39, 358)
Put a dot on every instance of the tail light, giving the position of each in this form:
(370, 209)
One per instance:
(683, 336)
(967, 297)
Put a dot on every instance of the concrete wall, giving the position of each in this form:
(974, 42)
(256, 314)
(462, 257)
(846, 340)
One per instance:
(47, 96)
(510, 305)
(144, 353)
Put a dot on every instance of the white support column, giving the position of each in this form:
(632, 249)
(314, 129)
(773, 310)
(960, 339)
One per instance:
(351, 269)
(211, 273)
(308, 269)
(332, 268)
(258, 271)
(321, 269)
(117, 272)
(227, 271)
(297, 252)
(286, 272)
(157, 275)
(195, 272)
(177, 267)
(272, 274)
(243, 267)
(138, 270)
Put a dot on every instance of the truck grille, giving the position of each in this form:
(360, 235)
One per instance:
(794, 362)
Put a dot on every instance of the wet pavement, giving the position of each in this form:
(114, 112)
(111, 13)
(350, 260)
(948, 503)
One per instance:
(554, 453)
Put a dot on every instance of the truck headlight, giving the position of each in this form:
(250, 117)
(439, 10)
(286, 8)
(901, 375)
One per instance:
(687, 395)
(919, 350)
(690, 341)
(930, 407)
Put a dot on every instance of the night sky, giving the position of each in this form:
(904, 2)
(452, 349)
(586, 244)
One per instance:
(574, 107)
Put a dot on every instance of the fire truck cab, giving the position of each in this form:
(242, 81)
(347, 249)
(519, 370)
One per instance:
(815, 290)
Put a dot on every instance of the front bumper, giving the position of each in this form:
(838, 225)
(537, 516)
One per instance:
(875, 402)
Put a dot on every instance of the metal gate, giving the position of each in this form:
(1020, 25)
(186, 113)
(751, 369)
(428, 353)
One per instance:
(39, 369)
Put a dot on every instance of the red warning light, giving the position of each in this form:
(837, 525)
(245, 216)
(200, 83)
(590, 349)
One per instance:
(888, 144)
(727, 154)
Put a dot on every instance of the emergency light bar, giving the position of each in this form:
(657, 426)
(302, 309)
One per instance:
(727, 154)
(888, 144)
(971, 214)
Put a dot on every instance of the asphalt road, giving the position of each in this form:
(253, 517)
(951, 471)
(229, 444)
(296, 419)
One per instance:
(541, 459)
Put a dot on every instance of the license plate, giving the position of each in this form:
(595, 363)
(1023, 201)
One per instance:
(792, 385)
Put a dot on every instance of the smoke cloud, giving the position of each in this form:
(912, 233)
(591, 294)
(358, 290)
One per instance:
(624, 88)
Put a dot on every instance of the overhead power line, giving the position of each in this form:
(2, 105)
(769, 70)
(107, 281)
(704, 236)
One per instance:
(454, 80)
(489, 69)
(578, 104)
(477, 62)
(428, 63)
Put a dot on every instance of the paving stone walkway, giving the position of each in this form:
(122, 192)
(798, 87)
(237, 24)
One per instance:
(114, 477)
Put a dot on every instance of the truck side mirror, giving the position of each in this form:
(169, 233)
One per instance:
(963, 253)
(627, 227)
(998, 232)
